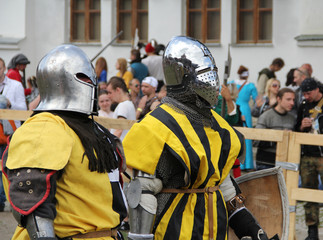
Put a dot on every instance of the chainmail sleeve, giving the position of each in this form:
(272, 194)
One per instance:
(172, 174)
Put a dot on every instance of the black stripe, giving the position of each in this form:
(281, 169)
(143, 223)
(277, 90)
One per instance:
(241, 139)
(199, 214)
(222, 221)
(169, 121)
(175, 222)
(168, 204)
(118, 204)
(199, 129)
(226, 144)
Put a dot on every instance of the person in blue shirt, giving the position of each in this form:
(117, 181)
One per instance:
(138, 69)
(101, 69)
(245, 91)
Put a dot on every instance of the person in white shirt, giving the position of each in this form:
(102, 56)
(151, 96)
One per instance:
(12, 90)
(154, 65)
(118, 92)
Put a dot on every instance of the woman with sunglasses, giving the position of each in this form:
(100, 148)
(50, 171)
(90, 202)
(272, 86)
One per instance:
(269, 99)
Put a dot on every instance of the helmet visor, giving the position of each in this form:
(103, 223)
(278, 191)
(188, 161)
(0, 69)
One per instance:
(207, 85)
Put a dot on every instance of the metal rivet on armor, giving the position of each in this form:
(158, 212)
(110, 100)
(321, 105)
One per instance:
(30, 191)
(42, 171)
(28, 182)
(21, 184)
(28, 170)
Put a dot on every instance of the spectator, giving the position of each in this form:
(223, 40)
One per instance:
(138, 69)
(308, 68)
(33, 104)
(102, 86)
(101, 69)
(32, 85)
(154, 64)
(268, 73)
(159, 49)
(310, 120)
(118, 92)
(246, 90)
(232, 114)
(290, 79)
(104, 105)
(300, 74)
(162, 92)
(279, 118)
(149, 101)
(134, 88)
(121, 65)
(13, 91)
(268, 100)
(7, 127)
(16, 64)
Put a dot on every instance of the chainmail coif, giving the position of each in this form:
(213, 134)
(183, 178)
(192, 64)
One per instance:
(184, 100)
(201, 116)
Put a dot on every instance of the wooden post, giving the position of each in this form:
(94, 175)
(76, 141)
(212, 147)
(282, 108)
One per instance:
(294, 154)
(282, 150)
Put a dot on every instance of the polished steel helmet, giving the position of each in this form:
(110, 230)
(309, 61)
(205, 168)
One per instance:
(67, 81)
(185, 56)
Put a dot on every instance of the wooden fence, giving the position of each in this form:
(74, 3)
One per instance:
(287, 155)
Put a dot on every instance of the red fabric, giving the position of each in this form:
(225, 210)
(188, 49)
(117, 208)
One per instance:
(236, 169)
(149, 48)
(14, 74)
(27, 91)
(3, 138)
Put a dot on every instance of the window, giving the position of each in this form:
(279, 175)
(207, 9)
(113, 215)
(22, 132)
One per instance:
(254, 21)
(132, 14)
(85, 20)
(204, 20)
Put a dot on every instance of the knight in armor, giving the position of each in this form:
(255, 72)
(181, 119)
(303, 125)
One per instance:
(182, 153)
(61, 170)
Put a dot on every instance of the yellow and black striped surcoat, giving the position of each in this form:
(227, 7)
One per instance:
(207, 154)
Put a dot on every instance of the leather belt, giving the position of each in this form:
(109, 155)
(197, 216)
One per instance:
(104, 233)
(209, 191)
(235, 203)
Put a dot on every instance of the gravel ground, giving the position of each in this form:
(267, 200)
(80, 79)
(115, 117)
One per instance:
(8, 224)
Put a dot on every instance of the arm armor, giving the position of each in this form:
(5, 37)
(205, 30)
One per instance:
(32, 189)
(142, 211)
(245, 225)
(40, 228)
(241, 220)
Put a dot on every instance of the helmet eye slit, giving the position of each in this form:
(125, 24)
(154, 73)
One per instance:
(82, 77)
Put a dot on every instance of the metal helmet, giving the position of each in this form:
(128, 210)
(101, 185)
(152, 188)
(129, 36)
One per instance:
(60, 79)
(187, 57)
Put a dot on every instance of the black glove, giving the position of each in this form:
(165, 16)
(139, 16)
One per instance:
(245, 226)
